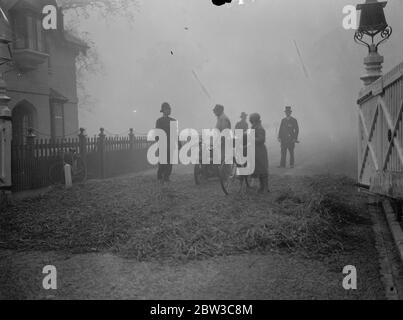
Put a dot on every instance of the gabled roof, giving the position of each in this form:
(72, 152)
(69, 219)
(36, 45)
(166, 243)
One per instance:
(55, 95)
(75, 40)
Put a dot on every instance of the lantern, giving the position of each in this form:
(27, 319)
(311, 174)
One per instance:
(372, 23)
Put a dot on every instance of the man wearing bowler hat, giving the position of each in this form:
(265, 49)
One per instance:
(243, 124)
(163, 123)
(288, 137)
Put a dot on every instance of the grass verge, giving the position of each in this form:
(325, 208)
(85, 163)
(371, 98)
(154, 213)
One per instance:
(137, 218)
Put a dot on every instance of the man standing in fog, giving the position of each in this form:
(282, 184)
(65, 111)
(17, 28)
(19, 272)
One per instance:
(288, 137)
(223, 121)
(243, 124)
(163, 123)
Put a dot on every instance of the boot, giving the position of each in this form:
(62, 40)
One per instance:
(266, 181)
(261, 185)
(263, 180)
(264, 184)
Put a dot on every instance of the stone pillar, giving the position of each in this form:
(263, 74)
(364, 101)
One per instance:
(5, 139)
(373, 66)
(131, 138)
(132, 142)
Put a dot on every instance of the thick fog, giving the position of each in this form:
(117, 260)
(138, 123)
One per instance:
(256, 57)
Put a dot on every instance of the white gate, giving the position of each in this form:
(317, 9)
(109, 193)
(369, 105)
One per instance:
(380, 149)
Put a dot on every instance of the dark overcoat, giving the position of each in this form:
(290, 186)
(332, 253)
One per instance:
(289, 130)
(261, 157)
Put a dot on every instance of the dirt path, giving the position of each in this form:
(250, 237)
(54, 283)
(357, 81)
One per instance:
(105, 276)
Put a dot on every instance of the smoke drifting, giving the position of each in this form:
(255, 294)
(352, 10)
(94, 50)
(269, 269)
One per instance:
(257, 57)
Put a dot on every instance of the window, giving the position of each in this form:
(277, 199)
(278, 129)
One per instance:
(19, 27)
(28, 31)
(39, 36)
(57, 119)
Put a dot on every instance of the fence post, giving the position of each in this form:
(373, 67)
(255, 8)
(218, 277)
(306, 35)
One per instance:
(132, 141)
(83, 145)
(131, 138)
(31, 156)
(5, 140)
(101, 150)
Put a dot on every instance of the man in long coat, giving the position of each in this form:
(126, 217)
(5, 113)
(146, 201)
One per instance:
(288, 137)
(243, 124)
(261, 157)
(223, 123)
(163, 123)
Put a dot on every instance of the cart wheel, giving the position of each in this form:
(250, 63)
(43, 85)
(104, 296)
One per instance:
(230, 182)
(79, 172)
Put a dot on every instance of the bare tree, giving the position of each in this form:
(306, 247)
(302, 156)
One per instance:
(90, 63)
(105, 7)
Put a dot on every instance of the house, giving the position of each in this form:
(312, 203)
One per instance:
(42, 80)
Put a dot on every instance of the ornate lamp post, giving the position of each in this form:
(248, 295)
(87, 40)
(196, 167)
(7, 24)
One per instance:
(373, 26)
(5, 113)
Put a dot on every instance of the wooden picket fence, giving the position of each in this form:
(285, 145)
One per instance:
(104, 156)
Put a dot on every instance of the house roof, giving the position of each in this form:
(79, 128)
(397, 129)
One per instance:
(75, 40)
(56, 95)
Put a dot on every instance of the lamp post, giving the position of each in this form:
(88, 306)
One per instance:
(5, 113)
(373, 26)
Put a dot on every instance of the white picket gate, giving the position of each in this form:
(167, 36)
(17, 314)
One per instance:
(380, 149)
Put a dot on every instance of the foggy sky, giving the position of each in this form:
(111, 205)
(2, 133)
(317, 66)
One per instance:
(244, 55)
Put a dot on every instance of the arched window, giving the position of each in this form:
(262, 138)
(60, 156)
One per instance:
(24, 117)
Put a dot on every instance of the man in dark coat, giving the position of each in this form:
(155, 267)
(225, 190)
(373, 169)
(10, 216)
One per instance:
(223, 122)
(243, 124)
(163, 123)
(288, 137)
(261, 157)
